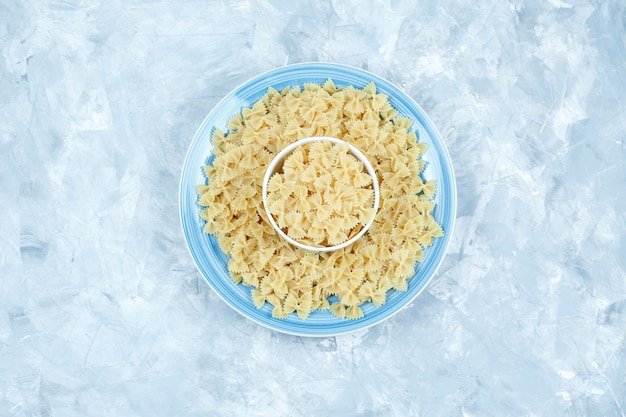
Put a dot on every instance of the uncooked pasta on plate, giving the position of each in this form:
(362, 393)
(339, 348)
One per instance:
(322, 197)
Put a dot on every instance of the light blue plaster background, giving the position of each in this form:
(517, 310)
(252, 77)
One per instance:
(103, 313)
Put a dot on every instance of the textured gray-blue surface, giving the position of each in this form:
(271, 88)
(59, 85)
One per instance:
(102, 310)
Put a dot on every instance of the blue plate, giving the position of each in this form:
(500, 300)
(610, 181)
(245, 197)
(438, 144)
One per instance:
(213, 263)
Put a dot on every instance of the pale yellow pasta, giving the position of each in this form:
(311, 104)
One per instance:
(322, 196)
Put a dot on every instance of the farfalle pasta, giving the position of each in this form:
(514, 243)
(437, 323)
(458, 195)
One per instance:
(322, 196)
(296, 281)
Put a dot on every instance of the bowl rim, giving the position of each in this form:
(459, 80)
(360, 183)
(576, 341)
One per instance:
(283, 154)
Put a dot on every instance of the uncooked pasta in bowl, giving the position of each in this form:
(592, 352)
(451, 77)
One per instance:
(321, 193)
(322, 197)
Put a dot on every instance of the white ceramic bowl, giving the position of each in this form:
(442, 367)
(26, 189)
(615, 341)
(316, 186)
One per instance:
(276, 163)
